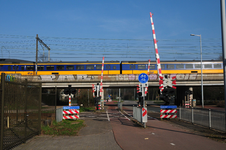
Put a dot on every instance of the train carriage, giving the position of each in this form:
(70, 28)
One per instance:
(14, 66)
(173, 67)
(59, 68)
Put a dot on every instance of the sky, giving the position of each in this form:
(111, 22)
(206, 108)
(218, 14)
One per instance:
(73, 26)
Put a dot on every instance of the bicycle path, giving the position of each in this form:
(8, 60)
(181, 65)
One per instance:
(158, 135)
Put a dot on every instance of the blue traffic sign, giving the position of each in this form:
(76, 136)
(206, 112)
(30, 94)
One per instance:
(143, 78)
(71, 107)
(168, 106)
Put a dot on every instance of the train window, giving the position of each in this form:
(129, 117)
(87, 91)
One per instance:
(49, 67)
(80, 67)
(170, 66)
(190, 66)
(9, 67)
(162, 66)
(69, 67)
(180, 66)
(197, 65)
(152, 66)
(30, 67)
(114, 67)
(207, 65)
(22, 67)
(40, 67)
(217, 65)
(98, 67)
(132, 66)
(15, 67)
(108, 67)
(90, 67)
(60, 67)
(141, 67)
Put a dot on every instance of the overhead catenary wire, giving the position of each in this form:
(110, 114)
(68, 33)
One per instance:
(83, 49)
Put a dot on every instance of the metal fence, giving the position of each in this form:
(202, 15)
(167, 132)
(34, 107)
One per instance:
(20, 111)
(206, 117)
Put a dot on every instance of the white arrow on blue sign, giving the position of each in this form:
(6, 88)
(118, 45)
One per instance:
(143, 78)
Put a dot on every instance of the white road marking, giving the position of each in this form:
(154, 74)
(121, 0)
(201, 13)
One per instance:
(127, 113)
(172, 144)
(107, 115)
(124, 115)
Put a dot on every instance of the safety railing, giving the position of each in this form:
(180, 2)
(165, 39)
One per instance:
(206, 117)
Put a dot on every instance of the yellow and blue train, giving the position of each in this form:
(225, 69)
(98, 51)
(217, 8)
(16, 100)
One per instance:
(15, 66)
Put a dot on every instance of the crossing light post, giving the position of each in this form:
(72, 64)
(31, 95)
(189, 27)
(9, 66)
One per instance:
(201, 67)
(96, 90)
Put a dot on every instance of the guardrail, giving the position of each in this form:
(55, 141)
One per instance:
(206, 117)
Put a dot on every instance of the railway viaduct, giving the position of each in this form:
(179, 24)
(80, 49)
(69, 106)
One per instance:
(183, 81)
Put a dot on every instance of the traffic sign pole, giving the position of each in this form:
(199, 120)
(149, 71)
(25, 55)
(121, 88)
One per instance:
(143, 78)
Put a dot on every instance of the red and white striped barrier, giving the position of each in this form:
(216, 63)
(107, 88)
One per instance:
(156, 54)
(168, 112)
(71, 112)
(71, 117)
(168, 116)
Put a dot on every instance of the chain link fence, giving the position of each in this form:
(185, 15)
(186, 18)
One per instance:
(20, 111)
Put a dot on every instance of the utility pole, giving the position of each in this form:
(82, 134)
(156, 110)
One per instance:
(41, 42)
(223, 31)
(36, 62)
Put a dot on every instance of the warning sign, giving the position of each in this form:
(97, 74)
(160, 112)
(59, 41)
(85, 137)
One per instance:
(144, 114)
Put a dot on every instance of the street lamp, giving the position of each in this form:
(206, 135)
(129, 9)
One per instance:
(201, 67)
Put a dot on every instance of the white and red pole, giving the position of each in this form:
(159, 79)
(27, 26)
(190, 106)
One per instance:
(149, 63)
(69, 100)
(101, 84)
(93, 90)
(157, 54)
(101, 80)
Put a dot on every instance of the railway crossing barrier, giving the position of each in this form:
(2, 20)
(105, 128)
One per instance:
(168, 111)
(71, 112)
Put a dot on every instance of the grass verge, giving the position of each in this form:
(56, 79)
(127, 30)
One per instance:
(65, 127)
(82, 109)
